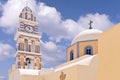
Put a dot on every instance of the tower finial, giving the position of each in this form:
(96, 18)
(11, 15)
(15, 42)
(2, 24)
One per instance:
(26, 2)
(90, 24)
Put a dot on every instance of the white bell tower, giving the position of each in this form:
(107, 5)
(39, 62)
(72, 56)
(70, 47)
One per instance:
(27, 40)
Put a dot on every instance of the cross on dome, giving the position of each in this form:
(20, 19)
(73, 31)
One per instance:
(90, 24)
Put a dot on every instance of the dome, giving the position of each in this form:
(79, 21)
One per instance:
(27, 14)
(90, 34)
(26, 9)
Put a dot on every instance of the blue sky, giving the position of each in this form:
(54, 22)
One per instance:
(59, 21)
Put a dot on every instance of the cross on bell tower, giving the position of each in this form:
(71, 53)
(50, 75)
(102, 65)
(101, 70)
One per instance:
(26, 2)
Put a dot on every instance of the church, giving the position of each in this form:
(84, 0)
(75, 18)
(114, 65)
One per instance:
(92, 54)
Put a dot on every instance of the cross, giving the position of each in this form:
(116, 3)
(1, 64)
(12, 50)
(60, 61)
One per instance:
(62, 76)
(26, 2)
(90, 24)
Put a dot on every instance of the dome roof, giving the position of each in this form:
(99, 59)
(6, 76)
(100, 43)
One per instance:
(90, 34)
(27, 9)
(27, 14)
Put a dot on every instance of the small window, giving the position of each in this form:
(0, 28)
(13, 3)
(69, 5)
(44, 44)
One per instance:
(21, 47)
(34, 18)
(37, 49)
(71, 55)
(26, 16)
(18, 64)
(26, 45)
(28, 63)
(20, 15)
(29, 48)
(88, 50)
(31, 17)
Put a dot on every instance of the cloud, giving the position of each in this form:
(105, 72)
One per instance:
(1, 7)
(11, 10)
(52, 54)
(2, 78)
(51, 23)
(6, 51)
(50, 20)
(100, 21)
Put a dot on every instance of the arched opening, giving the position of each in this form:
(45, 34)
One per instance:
(37, 49)
(30, 63)
(21, 46)
(26, 15)
(29, 48)
(27, 63)
(20, 15)
(26, 45)
(18, 62)
(71, 55)
(34, 18)
(33, 46)
(31, 17)
(88, 50)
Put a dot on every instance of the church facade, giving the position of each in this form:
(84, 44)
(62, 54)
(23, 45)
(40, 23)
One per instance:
(92, 55)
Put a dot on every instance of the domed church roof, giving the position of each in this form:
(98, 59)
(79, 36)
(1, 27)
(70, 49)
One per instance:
(90, 34)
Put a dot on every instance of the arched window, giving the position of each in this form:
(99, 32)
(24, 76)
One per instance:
(29, 48)
(37, 49)
(88, 50)
(26, 45)
(20, 15)
(21, 47)
(26, 15)
(71, 55)
(31, 17)
(30, 63)
(18, 64)
(33, 46)
(34, 18)
(27, 62)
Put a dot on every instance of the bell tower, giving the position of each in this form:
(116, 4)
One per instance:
(27, 40)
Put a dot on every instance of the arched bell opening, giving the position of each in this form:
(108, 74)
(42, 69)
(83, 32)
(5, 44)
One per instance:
(30, 63)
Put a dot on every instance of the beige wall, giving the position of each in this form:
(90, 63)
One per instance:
(109, 55)
(78, 48)
(77, 72)
(74, 48)
(31, 77)
(22, 64)
(38, 64)
(14, 75)
(88, 72)
(71, 74)
(82, 45)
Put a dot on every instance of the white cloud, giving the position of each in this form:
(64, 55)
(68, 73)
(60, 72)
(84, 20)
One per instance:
(50, 22)
(9, 18)
(6, 51)
(49, 46)
(2, 78)
(52, 54)
(100, 21)
(1, 6)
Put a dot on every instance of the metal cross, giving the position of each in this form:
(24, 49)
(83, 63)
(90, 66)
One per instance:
(90, 24)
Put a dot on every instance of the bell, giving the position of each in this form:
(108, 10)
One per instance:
(29, 61)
